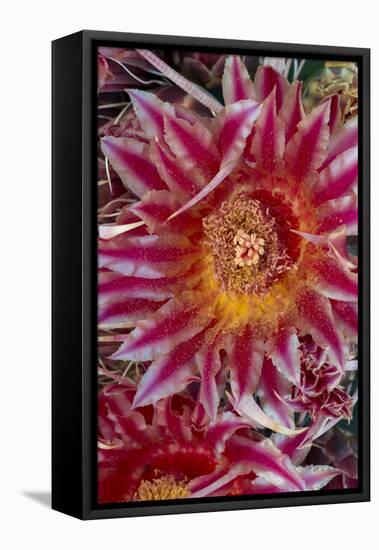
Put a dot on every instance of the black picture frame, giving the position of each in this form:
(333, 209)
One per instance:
(74, 275)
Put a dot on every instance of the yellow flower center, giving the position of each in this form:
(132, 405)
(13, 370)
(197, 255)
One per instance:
(163, 488)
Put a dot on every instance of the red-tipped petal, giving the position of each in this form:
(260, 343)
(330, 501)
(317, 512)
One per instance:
(266, 78)
(307, 149)
(268, 141)
(338, 178)
(236, 82)
(227, 424)
(131, 161)
(283, 349)
(315, 311)
(126, 313)
(173, 324)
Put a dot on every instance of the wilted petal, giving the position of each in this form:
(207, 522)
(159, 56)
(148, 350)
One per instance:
(343, 211)
(266, 78)
(249, 409)
(283, 349)
(268, 140)
(227, 424)
(236, 82)
(265, 460)
(131, 161)
(338, 178)
(174, 323)
(209, 363)
(315, 311)
(292, 111)
(333, 281)
(245, 353)
(272, 387)
(316, 477)
(307, 149)
(168, 374)
(148, 256)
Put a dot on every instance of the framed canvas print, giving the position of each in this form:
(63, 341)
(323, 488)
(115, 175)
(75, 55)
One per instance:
(210, 274)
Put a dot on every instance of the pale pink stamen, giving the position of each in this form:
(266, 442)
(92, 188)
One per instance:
(248, 249)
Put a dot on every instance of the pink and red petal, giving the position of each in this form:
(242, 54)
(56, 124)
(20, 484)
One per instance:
(268, 140)
(174, 323)
(292, 111)
(283, 349)
(333, 281)
(236, 82)
(307, 149)
(266, 78)
(131, 161)
(337, 179)
(335, 213)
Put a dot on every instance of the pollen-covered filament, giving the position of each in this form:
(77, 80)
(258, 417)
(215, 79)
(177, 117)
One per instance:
(248, 248)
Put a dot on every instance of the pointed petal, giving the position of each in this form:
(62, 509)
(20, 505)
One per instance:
(292, 111)
(335, 213)
(268, 141)
(315, 311)
(168, 374)
(283, 349)
(333, 281)
(266, 461)
(193, 146)
(211, 484)
(126, 313)
(209, 364)
(131, 161)
(245, 354)
(307, 149)
(149, 110)
(180, 182)
(236, 82)
(249, 409)
(148, 256)
(266, 78)
(316, 477)
(174, 323)
(114, 287)
(338, 178)
(235, 124)
(343, 139)
(335, 113)
(272, 385)
(347, 315)
(154, 209)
